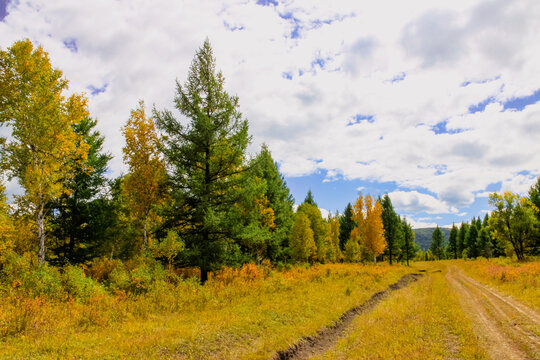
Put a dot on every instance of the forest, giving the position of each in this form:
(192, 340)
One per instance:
(193, 214)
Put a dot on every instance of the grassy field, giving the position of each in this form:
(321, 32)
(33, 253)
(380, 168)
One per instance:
(421, 321)
(247, 313)
(519, 280)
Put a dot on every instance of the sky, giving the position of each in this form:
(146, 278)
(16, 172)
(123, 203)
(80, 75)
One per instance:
(436, 103)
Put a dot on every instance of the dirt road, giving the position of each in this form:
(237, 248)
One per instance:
(509, 329)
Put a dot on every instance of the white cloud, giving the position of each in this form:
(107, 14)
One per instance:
(448, 55)
(413, 201)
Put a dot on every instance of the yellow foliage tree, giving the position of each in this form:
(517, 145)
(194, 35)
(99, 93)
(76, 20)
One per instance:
(7, 230)
(144, 183)
(41, 120)
(301, 239)
(370, 230)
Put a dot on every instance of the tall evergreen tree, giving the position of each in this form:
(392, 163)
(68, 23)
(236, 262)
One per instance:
(437, 243)
(309, 199)
(206, 158)
(453, 241)
(472, 238)
(280, 201)
(392, 227)
(78, 223)
(346, 225)
(409, 248)
(462, 237)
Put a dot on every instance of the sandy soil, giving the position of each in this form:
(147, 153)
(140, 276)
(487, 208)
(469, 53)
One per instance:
(506, 328)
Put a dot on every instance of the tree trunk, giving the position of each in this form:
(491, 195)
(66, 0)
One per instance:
(145, 233)
(204, 275)
(390, 254)
(40, 222)
(374, 259)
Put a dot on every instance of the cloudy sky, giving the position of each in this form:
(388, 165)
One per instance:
(435, 102)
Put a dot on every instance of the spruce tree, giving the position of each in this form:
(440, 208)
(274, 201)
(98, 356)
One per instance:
(346, 225)
(79, 224)
(437, 243)
(206, 158)
(453, 241)
(392, 227)
(280, 201)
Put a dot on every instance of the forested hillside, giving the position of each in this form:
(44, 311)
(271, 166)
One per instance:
(422, 236)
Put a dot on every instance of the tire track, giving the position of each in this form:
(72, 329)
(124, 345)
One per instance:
(505, 326)
(312, 345)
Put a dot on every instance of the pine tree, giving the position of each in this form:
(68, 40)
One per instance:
(346, 225)
(472, 238)
(206, 158)
(409, 248)
(453, 241)
(462, 238)
(392, 227)
(79, 223)
(309, 199)
(437, 243)
(280, 201)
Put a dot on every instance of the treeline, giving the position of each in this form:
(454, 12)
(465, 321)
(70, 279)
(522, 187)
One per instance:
(512, 229)
(191, 196)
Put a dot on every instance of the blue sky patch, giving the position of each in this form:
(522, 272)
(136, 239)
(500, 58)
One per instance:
(267, 2)
(3, 9)
(286, 75)
(520, 103)
(71, 44)
(399, 77)
(358, 118)
(481, 106)
(440, 128)
(96, 91)
(233, 28)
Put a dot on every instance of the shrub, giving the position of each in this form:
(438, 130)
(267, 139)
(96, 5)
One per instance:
(77, 285)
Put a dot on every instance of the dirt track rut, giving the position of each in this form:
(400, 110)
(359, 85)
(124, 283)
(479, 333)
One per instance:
(507, 328)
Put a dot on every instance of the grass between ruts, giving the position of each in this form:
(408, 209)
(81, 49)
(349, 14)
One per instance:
(421, 321)
(519, 280)
(232, 317)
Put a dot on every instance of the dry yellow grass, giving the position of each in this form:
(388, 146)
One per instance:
(519, 280)
(421, 321)
(248, 314)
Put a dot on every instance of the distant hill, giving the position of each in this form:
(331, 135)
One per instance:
(422, 236)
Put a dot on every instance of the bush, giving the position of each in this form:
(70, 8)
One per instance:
(77, 285)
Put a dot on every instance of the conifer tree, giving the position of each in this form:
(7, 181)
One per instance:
(346, 225)
(78, 223)
(462, 238)
(206, 158)
(392, 227)
(437, 243)
(472, 238)
(453, 241)
(279, 200)
(409, 248)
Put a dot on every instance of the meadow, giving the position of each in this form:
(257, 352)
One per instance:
(244, 313)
